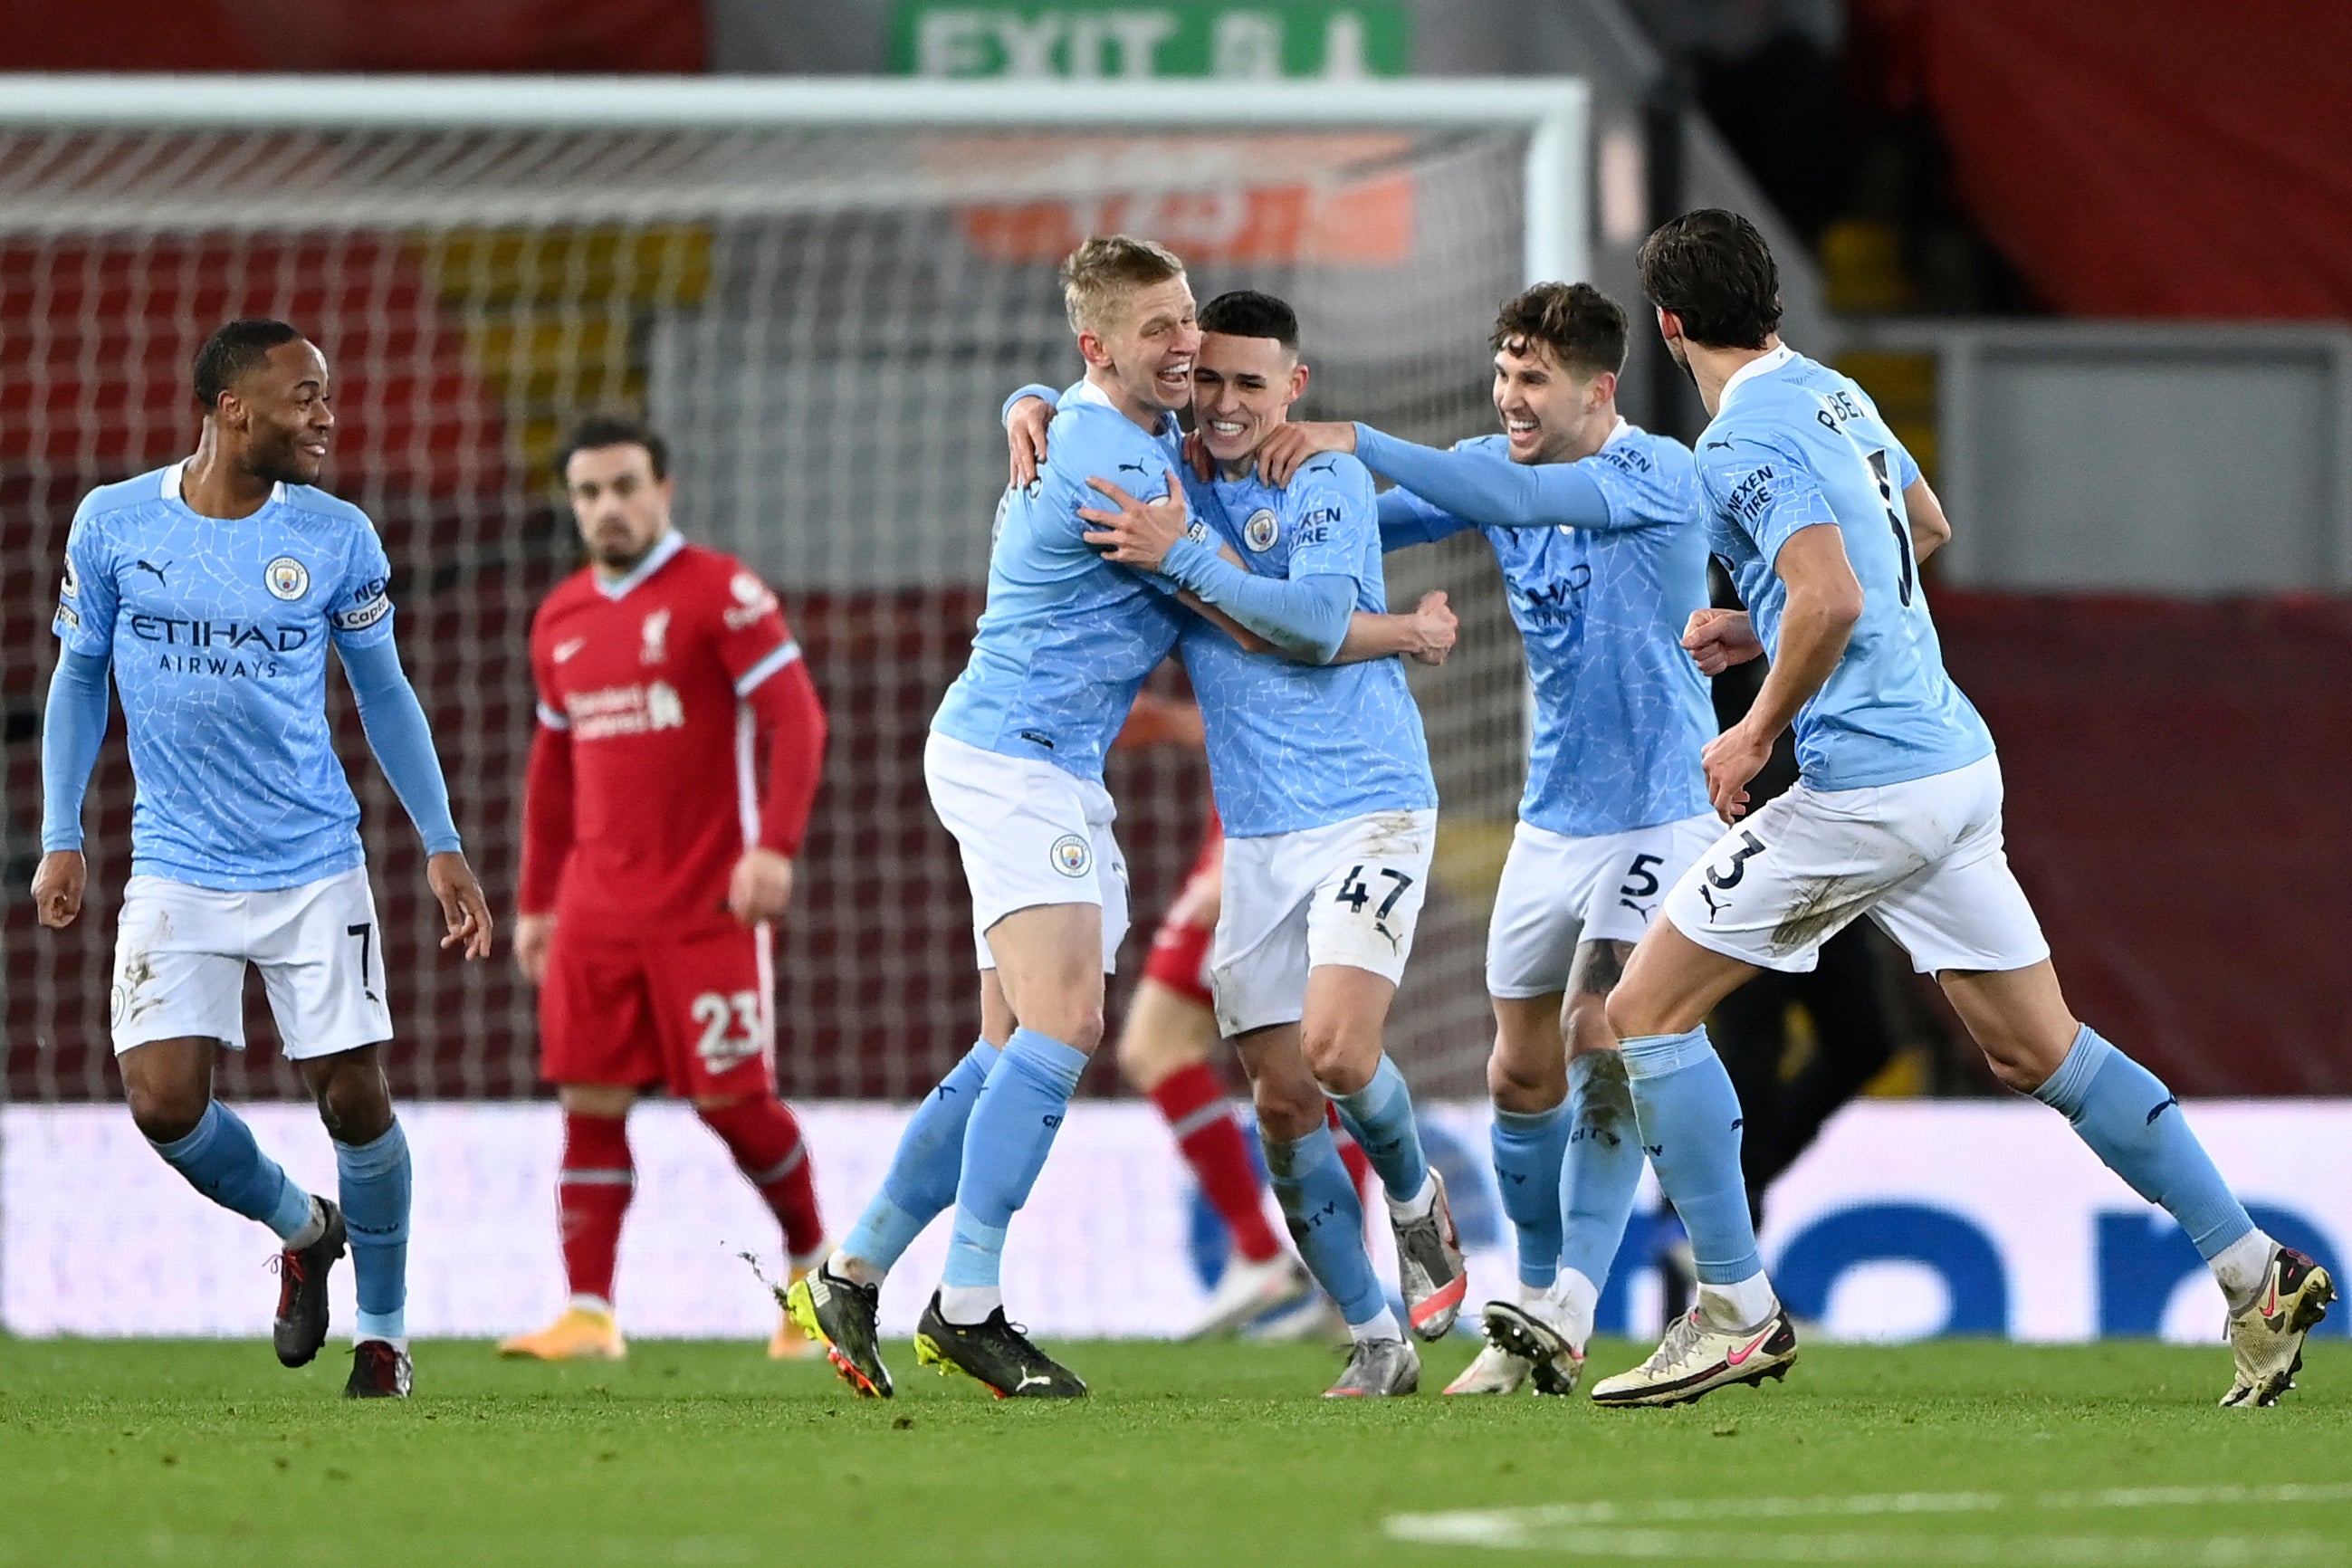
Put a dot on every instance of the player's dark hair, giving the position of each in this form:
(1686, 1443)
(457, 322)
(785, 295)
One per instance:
(235, 348)
(1713, 269)
(600, 430)
(1583, 327)
(1246, 313)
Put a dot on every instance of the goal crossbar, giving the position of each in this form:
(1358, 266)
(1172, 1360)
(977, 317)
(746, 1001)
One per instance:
(1551, 113)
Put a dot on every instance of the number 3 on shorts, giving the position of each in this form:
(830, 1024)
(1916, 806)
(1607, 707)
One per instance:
(1355, 893)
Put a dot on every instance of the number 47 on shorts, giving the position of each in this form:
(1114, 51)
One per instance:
(1356, 894)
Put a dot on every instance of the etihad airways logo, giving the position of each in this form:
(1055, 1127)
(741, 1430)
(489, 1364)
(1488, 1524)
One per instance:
(623, 710)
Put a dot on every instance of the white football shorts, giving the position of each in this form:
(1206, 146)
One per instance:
(1923, 858)
(1350, 893)
(1030, 834)
(1559, 892)
(180, 954)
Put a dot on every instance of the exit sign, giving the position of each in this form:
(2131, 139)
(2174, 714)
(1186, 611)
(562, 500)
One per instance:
(1327, 38)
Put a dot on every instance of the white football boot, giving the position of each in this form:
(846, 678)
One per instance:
(2267, 1337)
(1695, 1359)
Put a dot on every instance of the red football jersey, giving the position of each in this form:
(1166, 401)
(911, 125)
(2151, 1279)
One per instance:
(646, 679)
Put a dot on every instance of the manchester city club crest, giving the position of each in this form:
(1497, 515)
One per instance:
(1261, 530)
(287, 577)
(1073, 856)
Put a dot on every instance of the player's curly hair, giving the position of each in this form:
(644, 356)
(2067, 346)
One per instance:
(1583, 327)
(612, 429)
(1713, 271)
(1099, 275)
(235, 348)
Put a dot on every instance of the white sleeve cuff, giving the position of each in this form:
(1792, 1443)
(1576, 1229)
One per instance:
(750, 679)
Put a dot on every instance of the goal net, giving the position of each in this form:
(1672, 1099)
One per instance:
(821, 293)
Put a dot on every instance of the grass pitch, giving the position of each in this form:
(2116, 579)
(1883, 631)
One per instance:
(702, 1454)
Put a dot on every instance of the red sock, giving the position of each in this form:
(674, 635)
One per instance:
(1360, 1166)
(591, 1193)
(766, 1142)
(1193, 1101)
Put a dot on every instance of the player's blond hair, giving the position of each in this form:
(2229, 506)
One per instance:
(1100, 275)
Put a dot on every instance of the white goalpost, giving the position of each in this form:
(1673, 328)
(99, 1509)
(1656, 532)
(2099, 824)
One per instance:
(820, 289)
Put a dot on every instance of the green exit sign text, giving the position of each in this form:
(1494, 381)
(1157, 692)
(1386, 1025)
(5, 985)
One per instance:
(1174, 38)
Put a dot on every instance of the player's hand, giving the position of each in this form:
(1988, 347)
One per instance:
(1139, 533)
(1025, 428)
(1731, 759)
(534, 934)
(57, 883)
(1289, 447)
(1435, 625)
(761, 886)
(1197, 457)
(463, 909)
(1718, 639)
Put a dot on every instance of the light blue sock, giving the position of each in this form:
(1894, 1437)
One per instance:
(1689, 1118)
(1326, 1220)
(1012, 1125)
(2133, 1123)
(374, 1192)
(1603, 1167)
(1529, 1147)
(221, 1160)
(1380, 1118)
(921, 1181)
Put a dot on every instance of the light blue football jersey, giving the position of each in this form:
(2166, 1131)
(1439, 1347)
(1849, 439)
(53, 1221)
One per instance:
(1793, 444)
(1293, 745)
(1066, 637)
(218, 633)
(1620, 710)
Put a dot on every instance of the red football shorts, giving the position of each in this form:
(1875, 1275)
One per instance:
(1180, 948)
(694, 1012)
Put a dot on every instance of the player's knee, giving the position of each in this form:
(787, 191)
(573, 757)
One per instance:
(354, 1103)
(165, 1113)
(1080, 1029)
(1287, 1109)
(1516, 1078)
(1628, 1015)
(1342, 1063)
(2019, 1063)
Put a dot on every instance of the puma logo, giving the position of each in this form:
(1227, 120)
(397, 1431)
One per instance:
(1028, 1377)
(1654, 1150)
(2162, 1109)
(151, 566)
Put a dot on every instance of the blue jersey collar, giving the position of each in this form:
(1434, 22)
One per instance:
(1763, 365)
(656, 558)
(1087, 391)
(171, 487)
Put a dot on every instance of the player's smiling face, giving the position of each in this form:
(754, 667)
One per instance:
(285, 411)
(1150, 349)
(622, 509)
(1243, 388)
(1546, 409)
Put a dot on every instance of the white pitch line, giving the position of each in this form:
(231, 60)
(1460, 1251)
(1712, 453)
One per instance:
(2060, 1550)
(1601, 1529)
